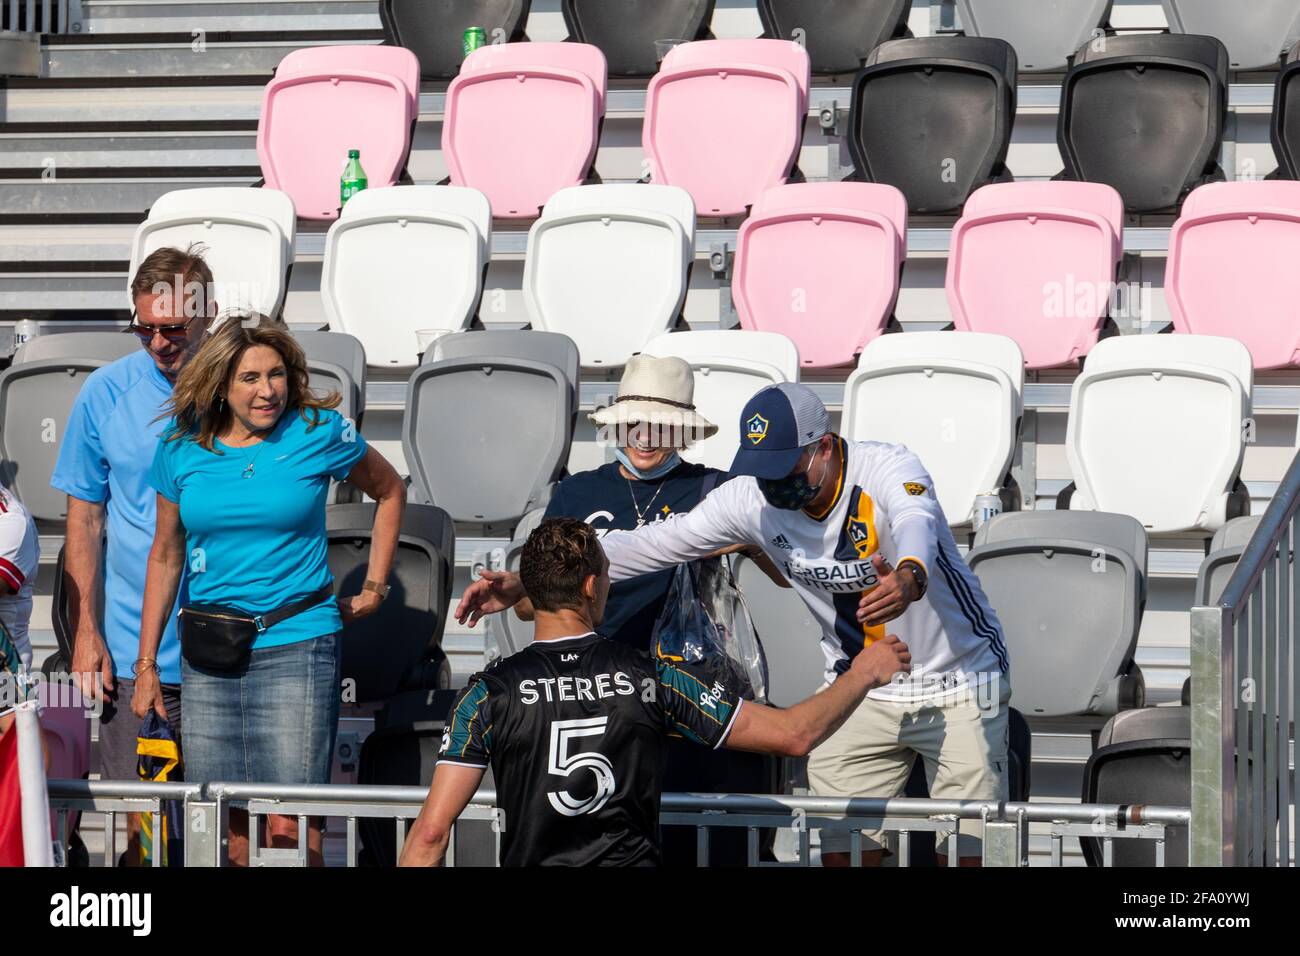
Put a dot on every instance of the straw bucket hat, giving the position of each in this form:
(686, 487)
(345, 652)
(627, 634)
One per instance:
(658, 391)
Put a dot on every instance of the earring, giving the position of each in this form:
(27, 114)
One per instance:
(221, 402)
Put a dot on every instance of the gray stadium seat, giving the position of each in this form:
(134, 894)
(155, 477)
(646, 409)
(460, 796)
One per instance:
(1070, 595)
(489, 421)
(839, 34)
(1044, 32)
(553, 348)
(398, 647)
(1143, 756)
(36, 398)
(791, 637)
(1225, 550)
(108, 346)
(511, 634)
(337, 362)
(556, 349)
(1255, 33)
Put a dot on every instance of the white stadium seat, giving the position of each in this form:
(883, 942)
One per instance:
(1156, 429)
(402, 259)
(249, 235)
(729, 366)
(953, 398)
(607, 266)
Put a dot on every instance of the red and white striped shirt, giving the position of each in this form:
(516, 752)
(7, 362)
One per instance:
(20, 552)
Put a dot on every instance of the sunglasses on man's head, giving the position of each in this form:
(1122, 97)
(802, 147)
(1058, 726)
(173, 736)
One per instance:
(172, 330)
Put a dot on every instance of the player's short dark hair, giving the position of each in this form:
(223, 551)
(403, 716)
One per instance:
(558, 557)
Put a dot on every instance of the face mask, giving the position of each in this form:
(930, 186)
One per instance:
(671, 462)
(793, 492)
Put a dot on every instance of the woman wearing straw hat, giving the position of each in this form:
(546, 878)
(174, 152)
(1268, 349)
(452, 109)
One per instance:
(648, 424)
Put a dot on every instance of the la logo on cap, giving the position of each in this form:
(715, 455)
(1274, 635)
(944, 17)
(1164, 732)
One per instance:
(756, 428)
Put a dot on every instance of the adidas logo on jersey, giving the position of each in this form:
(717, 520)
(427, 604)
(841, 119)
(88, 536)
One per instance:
(781, 541)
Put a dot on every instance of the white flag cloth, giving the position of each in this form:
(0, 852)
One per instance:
(37, 847)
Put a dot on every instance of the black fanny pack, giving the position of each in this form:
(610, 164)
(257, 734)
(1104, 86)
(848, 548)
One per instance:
(219, 638)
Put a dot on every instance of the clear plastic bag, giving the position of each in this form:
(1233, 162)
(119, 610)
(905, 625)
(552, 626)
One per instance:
(705, 622)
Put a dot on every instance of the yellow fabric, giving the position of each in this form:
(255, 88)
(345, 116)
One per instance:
(863, 513)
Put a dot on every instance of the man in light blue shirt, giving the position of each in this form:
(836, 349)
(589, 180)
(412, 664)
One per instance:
(103, 467)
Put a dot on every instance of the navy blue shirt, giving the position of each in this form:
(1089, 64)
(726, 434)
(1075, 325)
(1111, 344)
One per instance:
(603, 499)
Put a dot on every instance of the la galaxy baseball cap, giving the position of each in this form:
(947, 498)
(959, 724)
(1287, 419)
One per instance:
(775, 427)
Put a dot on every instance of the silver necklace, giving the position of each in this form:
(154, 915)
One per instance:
(640, 515)
(248, 468)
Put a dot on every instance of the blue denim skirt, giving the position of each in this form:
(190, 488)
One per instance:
(272, 721)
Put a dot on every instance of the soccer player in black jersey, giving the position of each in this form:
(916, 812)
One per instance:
(575, 726)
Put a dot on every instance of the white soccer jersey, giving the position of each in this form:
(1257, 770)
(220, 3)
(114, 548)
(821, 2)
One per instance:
(884, 501)
(20, 552)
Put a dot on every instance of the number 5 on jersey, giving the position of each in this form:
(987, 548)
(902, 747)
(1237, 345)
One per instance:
(564, 764)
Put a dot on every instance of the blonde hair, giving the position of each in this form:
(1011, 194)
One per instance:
(197, 403)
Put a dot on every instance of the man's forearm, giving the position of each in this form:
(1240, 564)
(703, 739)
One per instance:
(82, 557)
(820, 715)
(662, 545)
(424, 847)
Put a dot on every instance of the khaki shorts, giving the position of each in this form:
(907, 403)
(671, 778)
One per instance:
(964, 747)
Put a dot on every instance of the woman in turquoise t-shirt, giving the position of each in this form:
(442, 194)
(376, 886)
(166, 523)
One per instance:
(242, 473)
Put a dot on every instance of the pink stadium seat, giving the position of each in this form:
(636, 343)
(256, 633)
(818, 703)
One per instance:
(724, 120)
(1232, 267)
(1036, 261)
(820, 263)
(523, 121)
(66, 722)
(324, 101)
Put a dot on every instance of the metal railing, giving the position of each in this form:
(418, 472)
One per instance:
(1005, 828)
(1245, 687)
(36, 16)
(111, 798)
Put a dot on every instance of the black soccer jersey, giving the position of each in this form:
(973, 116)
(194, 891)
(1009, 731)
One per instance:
(576, 732)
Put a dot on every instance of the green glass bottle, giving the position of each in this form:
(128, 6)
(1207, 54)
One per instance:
(353, 179)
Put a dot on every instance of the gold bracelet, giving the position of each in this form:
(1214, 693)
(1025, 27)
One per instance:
(144, 660)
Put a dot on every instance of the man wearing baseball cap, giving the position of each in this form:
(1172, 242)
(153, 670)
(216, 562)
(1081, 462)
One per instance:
(857, 529)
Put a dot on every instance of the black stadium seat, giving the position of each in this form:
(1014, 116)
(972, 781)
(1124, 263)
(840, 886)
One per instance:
(1285, 125)
(1145, 115)
(1143, 757)
(399, 646)
(932, 116)
(839, 34)
(434, 30)
(626, 30)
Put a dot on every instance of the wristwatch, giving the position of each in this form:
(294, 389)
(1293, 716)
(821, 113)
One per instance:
(378, 587)
(918, 574)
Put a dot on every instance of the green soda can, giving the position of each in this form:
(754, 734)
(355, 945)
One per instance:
(474, 38)
(353, 179)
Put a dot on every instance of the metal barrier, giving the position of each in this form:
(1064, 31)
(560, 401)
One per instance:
(111, 798)
(1005, 827)
(1245, 696)
(36, 16)
(23, 22)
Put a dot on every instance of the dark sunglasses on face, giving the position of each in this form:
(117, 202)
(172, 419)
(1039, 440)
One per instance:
(172, 331)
